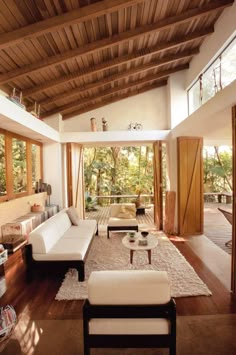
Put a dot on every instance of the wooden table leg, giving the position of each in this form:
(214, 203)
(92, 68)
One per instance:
(149, 256)
(131, 256)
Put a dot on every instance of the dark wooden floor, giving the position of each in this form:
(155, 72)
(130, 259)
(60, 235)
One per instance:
(36, 300)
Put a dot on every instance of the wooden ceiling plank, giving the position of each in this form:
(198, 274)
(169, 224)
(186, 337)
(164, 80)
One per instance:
(118, 61)
(66, 19)
(107, 92)
(111, 78)
(109, 101)
(111, 41)
(159, 75)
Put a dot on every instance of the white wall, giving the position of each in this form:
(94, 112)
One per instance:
(177, 99)
(224, 31)
(53, 171)
(148, 108)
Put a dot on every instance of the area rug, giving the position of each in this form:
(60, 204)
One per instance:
(110, 254)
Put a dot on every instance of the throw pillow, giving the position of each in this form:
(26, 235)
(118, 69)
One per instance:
(127, 212)
(72, 213)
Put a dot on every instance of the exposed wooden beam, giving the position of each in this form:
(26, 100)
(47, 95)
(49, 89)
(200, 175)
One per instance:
(108, 79)
(109, 101)
(114, 40)
(55, 23)
(101, 94)
(111, 64)
(162, 74)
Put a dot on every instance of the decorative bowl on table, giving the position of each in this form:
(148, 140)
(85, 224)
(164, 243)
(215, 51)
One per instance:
(144, 234)
(131, 236)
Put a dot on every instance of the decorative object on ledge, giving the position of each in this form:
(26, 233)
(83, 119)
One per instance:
(104, 124)
(36, 111)
(93, 124)
(49, 192)
(135, 127)
(16, 99)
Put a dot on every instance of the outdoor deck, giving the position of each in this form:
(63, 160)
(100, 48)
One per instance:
(216, 227)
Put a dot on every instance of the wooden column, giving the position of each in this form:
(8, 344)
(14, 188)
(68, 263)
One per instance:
(233, 260)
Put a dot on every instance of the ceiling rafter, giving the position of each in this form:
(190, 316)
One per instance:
(160, 75)
(108, 79)
(109, 101)
(114, 40)
(105, 93)
(55, 23)
(111, 64)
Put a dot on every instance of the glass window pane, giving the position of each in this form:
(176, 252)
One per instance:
(2, 166)
(19, 165)
(36, 164)
(194, 97)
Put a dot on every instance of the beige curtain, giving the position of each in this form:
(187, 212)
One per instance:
(75, 174)
(158, 217)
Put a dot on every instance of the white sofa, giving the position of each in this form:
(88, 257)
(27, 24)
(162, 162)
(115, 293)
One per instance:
(58, 240)
(129, 309)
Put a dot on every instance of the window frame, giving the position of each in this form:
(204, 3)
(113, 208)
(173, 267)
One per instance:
(10, 195)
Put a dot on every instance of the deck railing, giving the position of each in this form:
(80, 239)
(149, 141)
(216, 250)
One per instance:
(105, 200)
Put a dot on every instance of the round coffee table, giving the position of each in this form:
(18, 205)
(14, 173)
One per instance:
(152, 242)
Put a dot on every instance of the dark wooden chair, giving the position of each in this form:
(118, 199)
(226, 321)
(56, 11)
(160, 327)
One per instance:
(129, 309)
(228, 215)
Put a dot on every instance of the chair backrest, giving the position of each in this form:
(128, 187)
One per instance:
(228, 215)
(123, 210)
(128, 287)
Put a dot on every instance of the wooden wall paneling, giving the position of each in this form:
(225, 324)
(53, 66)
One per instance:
(233, 260)
(190, 185)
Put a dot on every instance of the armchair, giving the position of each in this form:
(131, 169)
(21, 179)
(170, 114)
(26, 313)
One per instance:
(122, 217)
(129, 309)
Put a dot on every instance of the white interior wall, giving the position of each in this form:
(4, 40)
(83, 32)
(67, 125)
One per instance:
(224, 31)
(177, 99)
(53, 171)
(148, 108)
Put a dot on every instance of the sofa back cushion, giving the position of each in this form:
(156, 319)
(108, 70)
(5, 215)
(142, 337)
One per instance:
(45, 236)
(128, 287)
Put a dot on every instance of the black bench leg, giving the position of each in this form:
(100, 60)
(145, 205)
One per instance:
(108, 230)
(81, 272)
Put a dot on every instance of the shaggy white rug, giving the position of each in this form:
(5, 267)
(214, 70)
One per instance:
(110, 254)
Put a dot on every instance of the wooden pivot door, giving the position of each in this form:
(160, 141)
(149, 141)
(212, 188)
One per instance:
(190, 185)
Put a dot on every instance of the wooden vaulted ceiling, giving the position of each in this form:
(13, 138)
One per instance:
(72, 56)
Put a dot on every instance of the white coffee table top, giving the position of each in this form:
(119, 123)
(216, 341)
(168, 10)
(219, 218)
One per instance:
(152, 242)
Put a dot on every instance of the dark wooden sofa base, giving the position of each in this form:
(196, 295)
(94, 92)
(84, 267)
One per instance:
(33, 265)
(120, 228)
(167, 311)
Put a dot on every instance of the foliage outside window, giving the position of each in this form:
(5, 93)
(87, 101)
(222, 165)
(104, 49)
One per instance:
(217, 169)
(20, 165)
(118, 171)
(220, 74)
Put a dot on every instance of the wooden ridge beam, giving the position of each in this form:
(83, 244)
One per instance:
(104, 93)
(109, 101)
(115, 40)
(55, 23)
(113, 63)
(108, 79)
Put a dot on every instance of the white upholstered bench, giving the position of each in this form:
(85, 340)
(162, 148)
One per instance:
(122, 217)
(129, 309)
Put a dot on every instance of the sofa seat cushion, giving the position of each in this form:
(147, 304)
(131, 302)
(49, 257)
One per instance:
(128, 287)
(86, 229)
(66, 249)
(122, 222)
(129, 326)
